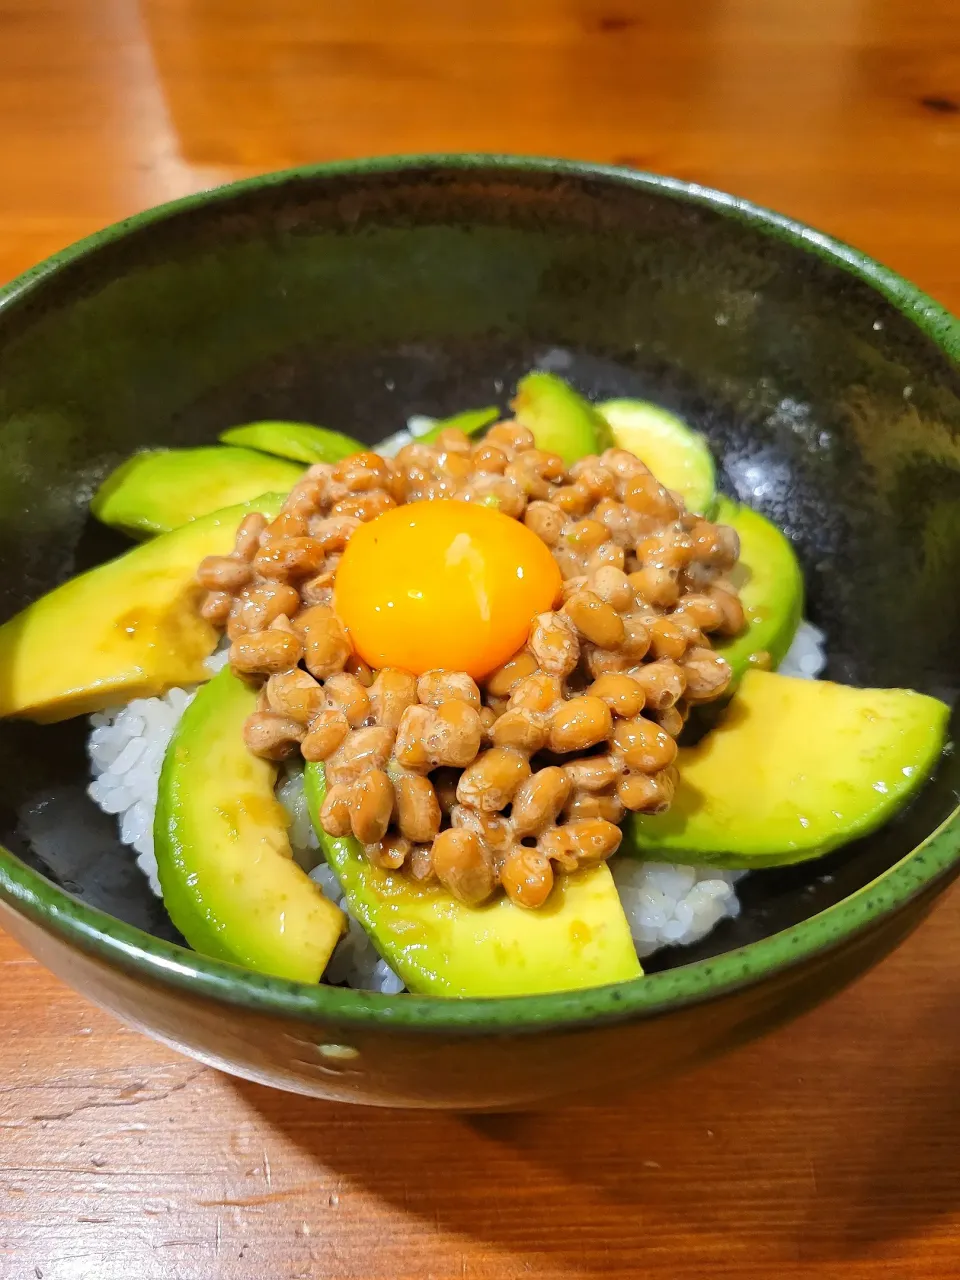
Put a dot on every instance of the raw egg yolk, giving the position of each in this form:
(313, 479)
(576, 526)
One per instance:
(443, 584)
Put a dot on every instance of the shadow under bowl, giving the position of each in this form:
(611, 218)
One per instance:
(355, 294)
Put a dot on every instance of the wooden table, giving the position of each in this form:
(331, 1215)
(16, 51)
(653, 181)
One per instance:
(830, 1149)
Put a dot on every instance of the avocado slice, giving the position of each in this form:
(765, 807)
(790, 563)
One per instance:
(442, 947)
(296, 440)
(470, 421)
(226, 868)
(795, 768)
(770, 582)
(157, 491)
(678, 456)
(127, 629)
(561, 420)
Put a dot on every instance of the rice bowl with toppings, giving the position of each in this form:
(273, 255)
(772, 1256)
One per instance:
(463, 677)
(666, 904)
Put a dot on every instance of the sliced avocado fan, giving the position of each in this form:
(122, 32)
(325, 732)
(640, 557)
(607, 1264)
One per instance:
(298, 441)
(794, 769)
(561, 420)
(440, 946)
(770, 584)
(161, 489)
(226, 868)
(130, 628)
(470, 421)
(678, 456)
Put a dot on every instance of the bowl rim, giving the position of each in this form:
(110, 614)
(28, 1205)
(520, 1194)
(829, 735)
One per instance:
(935, 860)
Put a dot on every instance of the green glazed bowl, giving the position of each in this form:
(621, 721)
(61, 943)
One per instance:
(354, 294)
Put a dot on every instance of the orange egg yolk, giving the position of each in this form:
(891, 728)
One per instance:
(443, 584)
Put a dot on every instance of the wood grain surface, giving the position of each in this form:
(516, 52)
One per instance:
(828, 1150)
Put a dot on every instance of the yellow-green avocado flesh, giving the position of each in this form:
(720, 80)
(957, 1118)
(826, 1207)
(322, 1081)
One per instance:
(226, 868)
(561, 420)
(794, 769)
(469, 421)
(770, 584)
(678, 456)
(439, 946)
(130, 628)
(296, 440)
(160, 490)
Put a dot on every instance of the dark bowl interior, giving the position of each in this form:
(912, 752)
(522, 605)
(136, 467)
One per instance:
(355, 298)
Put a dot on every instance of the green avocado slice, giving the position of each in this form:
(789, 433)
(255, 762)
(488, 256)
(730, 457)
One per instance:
(794, 769)
(296, 440)
(470, 421)
(561, 420)
(157, 491)
(678, 456)
(130, 628)
(770, 582)
(442, 947)
(226, 868)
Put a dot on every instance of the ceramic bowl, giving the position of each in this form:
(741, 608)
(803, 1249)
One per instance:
(354, 294)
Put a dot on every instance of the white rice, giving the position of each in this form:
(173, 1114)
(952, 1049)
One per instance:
(806, 657)
(418, 425)
(126, 749)
(666, 904)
